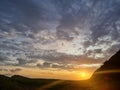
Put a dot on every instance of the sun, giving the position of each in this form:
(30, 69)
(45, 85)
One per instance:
(84, 75)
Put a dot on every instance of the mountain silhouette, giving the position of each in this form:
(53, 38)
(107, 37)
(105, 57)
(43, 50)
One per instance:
(107, 77)
(110, 69)
(112, 64)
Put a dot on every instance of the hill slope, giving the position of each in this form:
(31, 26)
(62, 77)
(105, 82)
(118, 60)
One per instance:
(110, 69)
(17, 82)
(107, 77)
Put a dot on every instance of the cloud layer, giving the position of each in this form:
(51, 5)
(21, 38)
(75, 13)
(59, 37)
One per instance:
(56, 33)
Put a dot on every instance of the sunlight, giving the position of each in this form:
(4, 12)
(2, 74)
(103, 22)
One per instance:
(84, 75)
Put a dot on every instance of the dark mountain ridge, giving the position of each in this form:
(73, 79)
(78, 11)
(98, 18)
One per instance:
(110, 69)
(112, 64)
(107, 77)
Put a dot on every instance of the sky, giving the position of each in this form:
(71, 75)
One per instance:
(60, 39)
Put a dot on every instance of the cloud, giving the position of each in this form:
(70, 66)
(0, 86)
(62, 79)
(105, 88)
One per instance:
(11, 70)
(58, 31)
(3, 57)
(15, 70)
(22, 12)
(44, 65)
(113, 49)
(67, 67)
(25, 61)
(29, 58)
(4, 70)
(21, 61)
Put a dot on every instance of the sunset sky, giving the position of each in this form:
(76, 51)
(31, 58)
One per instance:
(63, 39)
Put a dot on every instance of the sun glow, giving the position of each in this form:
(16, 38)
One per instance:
(84, 75)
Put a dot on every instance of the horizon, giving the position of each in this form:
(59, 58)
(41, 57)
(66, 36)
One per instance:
(57, 39)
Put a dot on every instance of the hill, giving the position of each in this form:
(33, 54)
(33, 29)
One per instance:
(110, 69)
(108, 75)
(17, 82)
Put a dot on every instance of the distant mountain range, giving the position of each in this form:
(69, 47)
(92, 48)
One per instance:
(107, 77)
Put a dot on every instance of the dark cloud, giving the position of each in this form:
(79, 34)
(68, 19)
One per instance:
(47, 65)
(65, 66)
(68, 67)
(87, 44)
(11, 70)
(15, 70)
(21, 18)
(4, 70)
(44, 65)
(28, 15)
(23, 61)
(21, 12)
(106, 19)
(3, 57)
(63, 58)
(98, 51)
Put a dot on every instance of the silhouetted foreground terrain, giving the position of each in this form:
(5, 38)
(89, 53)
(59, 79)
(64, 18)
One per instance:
(107, 77)
(21, 83)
